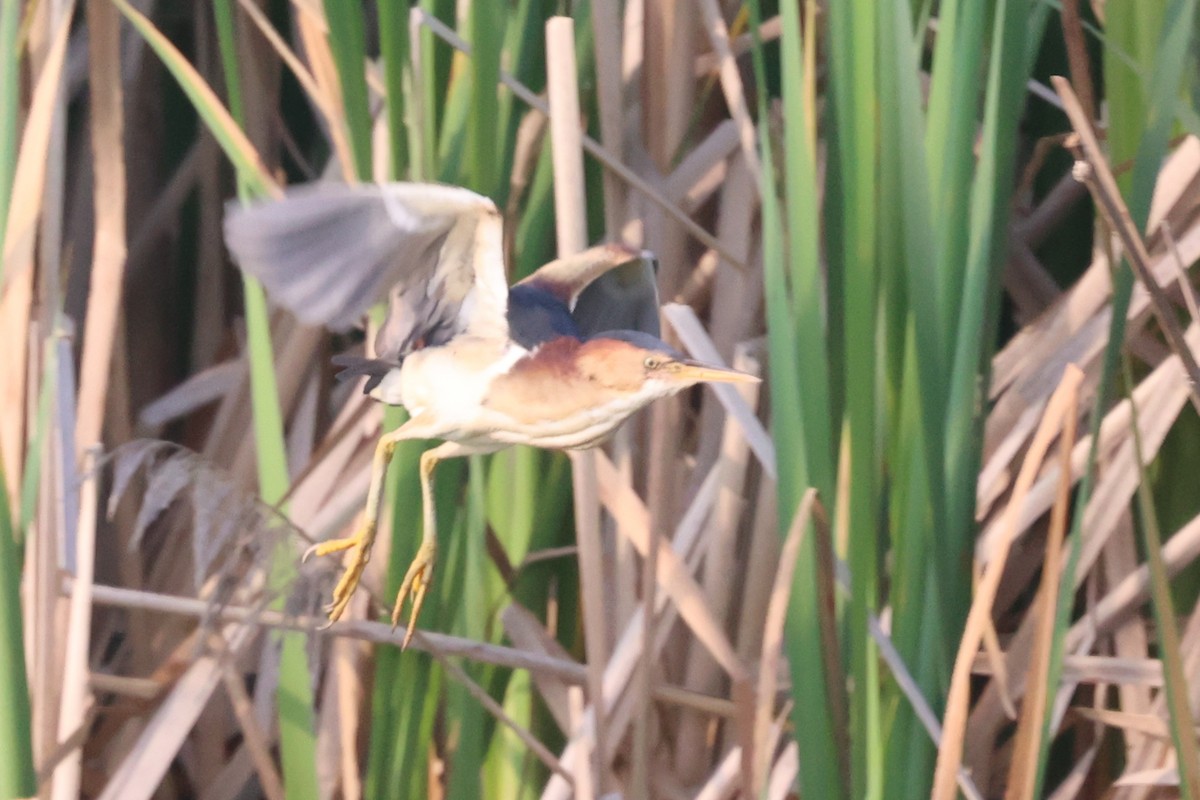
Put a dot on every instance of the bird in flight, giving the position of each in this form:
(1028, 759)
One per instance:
(557, 361)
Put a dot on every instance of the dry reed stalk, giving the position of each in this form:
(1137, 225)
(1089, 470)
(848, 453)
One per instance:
(1075, 330)
(17, 253)
(565, 137)
(257, 743)
(1116, 487)
(1144, 724)
(315, 90)
(1162, 382)
(1177, 191)
(731, 323)
(995, 657)
(1154, 760)
(702, 171)
(230, 782)
(526, 149)
(582, 766)
(1130, 642)
(700, 674)
(1023, 773)
(76, 701)
(660, 492)
(109, 247)
(1103, 187)
(342, 707)
(633, 50)
(667, 78)
(1070, 786)
(606, 28)
(611, 92)
(314, 34)
(629, 646)
(1160, 397)
(141, 771)
(302, 432)
(1117, 606)
(731, 87)
(1189, 650)
(691, 332)
(50, 546)
(327, 499)
(762, 558)
(723, 782)
(955, 720)
(769, 31)
(784, 772)
(673, 577)
(571, 227)
(375, 632)
(52, 227)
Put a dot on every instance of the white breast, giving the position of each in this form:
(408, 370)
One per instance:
(449, 382)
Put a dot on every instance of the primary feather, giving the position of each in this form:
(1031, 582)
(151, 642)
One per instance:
(328, 252)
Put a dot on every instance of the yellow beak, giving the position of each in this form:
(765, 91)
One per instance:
(695, 372)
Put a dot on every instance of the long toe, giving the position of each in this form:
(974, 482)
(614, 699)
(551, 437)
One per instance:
(359, 546)
(418, 601)
(415, 585)
(363, 537)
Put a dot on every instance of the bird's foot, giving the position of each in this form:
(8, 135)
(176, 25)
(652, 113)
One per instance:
(360, 546)
(416, 583)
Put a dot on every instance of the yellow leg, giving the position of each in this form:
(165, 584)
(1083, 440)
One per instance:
(419, 576)
(363, 540)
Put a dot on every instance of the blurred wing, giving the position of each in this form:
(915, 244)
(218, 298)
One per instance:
(328, 252)
(625, 298)
(608, 287)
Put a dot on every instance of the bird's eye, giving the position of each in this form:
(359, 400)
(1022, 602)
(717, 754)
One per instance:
(652, 362)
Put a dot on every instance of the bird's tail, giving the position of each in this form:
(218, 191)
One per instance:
(355, 366)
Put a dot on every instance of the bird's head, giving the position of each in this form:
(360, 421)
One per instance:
(644, 366)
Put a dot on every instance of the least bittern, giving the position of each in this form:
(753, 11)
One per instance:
(559, 361)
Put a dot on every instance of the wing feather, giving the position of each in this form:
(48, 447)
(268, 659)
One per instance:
(607, 287)
(623, 299)
(328, 252)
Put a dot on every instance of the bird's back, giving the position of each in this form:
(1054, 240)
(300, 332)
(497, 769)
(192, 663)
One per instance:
(536, 316)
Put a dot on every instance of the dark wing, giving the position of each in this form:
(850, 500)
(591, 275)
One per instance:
(623, 299)
(535, 316)
(327, 252)
(609, 287)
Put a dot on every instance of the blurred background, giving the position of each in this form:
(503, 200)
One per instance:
(948, 547)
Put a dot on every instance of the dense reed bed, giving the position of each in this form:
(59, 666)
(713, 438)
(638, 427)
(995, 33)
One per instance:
(948, 546)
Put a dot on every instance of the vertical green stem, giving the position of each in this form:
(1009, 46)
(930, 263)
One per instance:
(852, 72)
(297, 732)
(803, 435)
(16, 752)
(348, 43)
(393, 45)
(486, 24)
